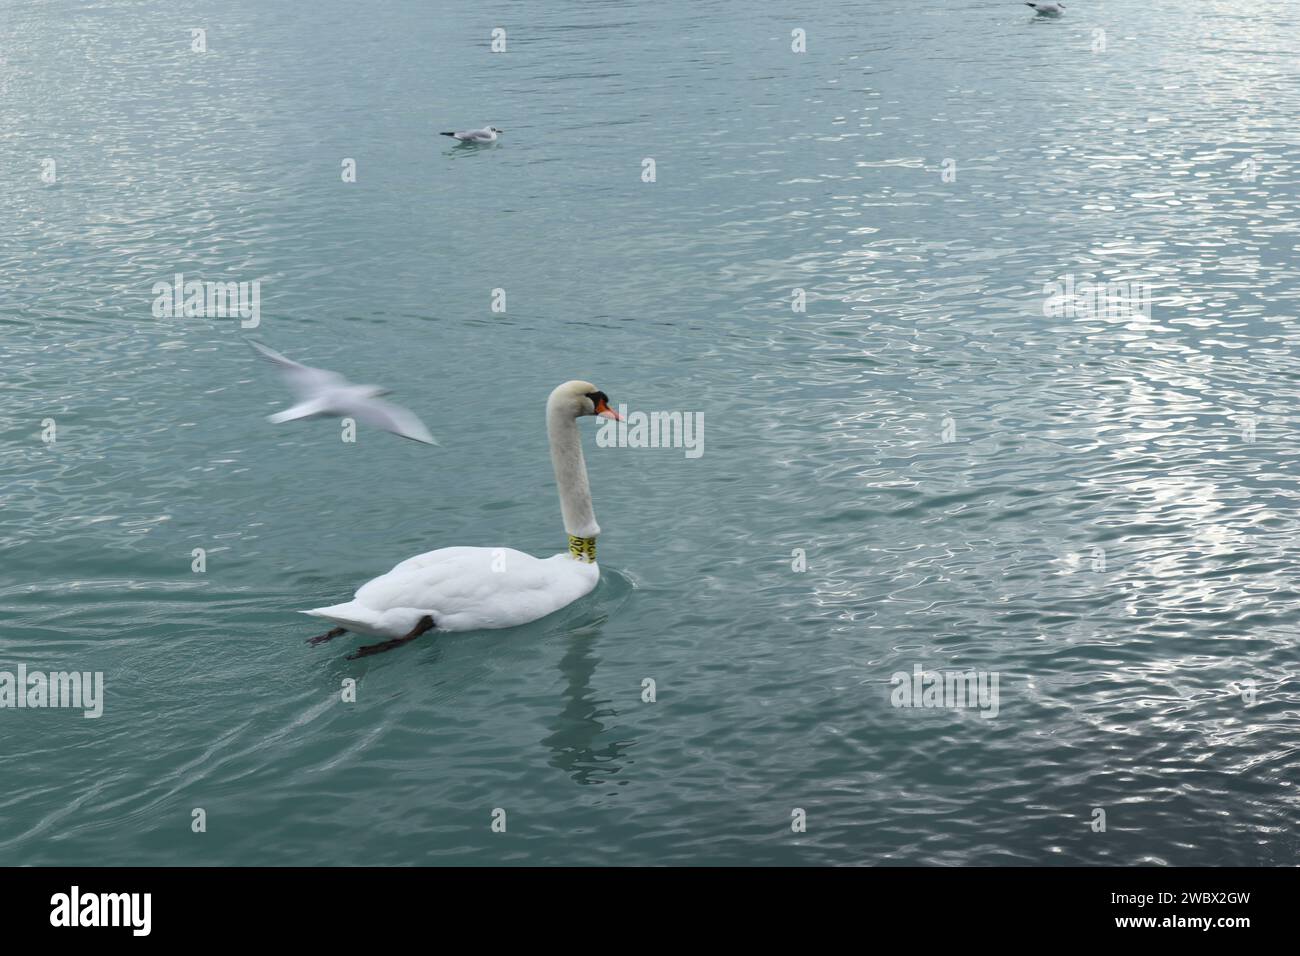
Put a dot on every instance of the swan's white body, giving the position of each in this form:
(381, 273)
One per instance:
(459, 589)
(467, 589)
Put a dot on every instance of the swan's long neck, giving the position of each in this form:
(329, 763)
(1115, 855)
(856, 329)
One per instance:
(571, 477)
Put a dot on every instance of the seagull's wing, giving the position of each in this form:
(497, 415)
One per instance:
(304, 380)
(307, 409)
(392, 418)
(275, 356)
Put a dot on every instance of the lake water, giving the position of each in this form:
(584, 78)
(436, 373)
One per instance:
(920, 462)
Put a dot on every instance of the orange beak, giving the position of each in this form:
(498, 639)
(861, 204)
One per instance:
(604, 411)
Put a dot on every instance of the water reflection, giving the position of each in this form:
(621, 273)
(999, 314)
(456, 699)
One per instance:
(576, 741)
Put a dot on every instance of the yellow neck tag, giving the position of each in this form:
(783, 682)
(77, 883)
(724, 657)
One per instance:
(584, 549)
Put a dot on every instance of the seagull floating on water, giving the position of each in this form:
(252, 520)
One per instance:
(324, 394)
(1047, 9)
(488, 134)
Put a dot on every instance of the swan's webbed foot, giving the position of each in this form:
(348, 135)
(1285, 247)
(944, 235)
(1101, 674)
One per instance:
(327, 636)
(426, 624)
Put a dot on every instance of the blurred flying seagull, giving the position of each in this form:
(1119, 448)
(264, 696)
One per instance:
(324, 394)
(1047, 9)
(488, 134)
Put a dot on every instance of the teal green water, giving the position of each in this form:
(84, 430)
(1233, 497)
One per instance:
(1123, 687)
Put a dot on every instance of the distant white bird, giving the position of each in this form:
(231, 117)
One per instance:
(488, 134)
(323, 394)
(1047, 9)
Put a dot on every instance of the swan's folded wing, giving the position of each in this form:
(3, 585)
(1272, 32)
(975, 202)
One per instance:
(472, 588)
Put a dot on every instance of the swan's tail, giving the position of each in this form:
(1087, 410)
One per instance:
(353, 615)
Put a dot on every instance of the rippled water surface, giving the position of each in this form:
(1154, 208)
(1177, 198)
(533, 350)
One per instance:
(1101, 509)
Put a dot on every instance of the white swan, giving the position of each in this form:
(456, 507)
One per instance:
(466, 589)
(1047, 9)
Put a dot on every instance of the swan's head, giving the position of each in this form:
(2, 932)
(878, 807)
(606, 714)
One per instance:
(578, 398)
(495, 130)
